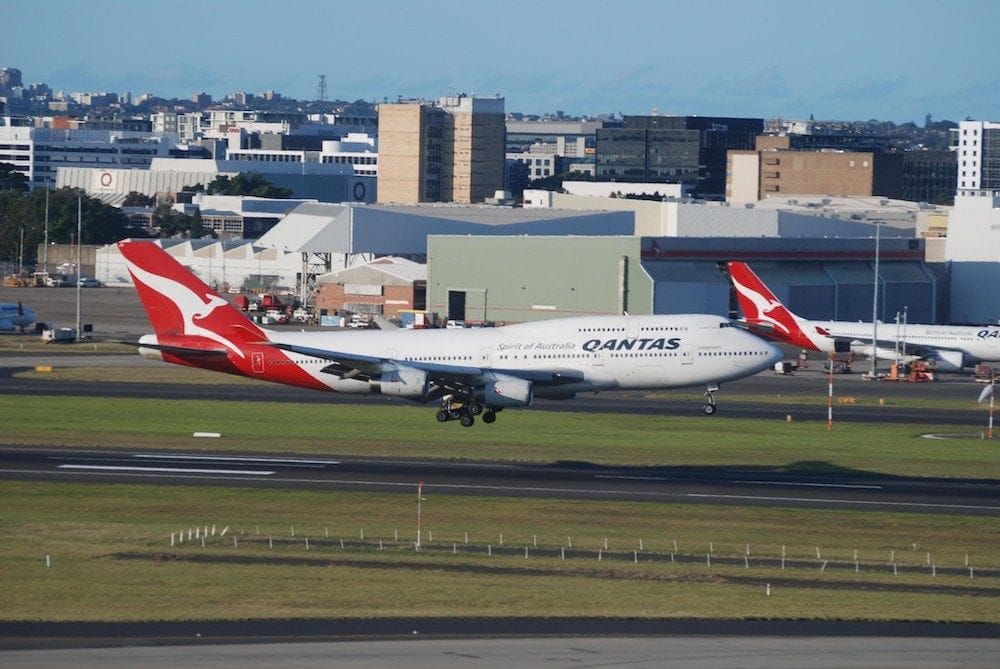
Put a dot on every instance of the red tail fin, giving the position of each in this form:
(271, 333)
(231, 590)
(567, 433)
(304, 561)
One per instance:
(761, 308)
(178, 303)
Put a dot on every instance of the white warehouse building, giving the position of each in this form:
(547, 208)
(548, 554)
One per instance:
(223, 265)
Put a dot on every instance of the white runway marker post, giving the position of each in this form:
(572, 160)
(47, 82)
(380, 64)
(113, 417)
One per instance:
(420, 501)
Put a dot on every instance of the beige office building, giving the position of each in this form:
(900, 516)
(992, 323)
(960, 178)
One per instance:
(755, 175)
(449, 151)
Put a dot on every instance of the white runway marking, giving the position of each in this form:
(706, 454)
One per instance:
(235, 458)
(762, 498)
(858, 486)
(168, 470)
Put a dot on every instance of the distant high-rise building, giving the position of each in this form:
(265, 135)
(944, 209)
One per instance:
(978, 146)
(755, 175)
(450, 151)
(37, 152)
(10, 77)
(690, 150)
(202, 100)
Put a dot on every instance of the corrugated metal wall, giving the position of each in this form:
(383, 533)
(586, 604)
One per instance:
(688, 287)
(516, 279)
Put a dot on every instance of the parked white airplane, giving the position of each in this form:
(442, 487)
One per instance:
(16, 316)
(472, 372)
(950, 346)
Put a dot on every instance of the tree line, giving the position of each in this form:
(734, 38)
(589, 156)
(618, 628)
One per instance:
(22, 217)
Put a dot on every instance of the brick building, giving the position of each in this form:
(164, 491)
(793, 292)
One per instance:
(383, 286)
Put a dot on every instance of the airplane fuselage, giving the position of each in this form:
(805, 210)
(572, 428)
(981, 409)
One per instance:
(976, 343)
(16, 316)
(587, 353)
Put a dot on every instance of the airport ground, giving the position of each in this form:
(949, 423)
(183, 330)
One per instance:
(120, 315)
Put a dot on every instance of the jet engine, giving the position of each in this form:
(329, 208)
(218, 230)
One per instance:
(948, 361)
(505, 391)
(408, 383)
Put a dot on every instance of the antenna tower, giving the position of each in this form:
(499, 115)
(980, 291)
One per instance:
(321, 88)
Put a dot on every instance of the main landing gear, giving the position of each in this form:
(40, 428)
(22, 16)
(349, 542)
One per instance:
(710, 407)
(465, 413)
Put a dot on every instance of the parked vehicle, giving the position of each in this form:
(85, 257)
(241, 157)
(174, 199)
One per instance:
(359, 321)
(59, 335)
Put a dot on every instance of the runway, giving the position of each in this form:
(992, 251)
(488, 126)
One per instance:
(856, 401)
(505, 643)
(746, 486)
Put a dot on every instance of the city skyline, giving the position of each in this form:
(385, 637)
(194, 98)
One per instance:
(893, 61)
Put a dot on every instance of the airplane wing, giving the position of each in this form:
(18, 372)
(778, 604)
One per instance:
(362, 367)
(384, 323)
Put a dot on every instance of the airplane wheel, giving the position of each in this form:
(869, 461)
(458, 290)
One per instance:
(475, 409)
(489, 417)
(467, 420)
(443, 416)
(709, 409)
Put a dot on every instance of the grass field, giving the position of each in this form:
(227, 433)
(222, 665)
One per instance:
(402, 430)
(111, 559)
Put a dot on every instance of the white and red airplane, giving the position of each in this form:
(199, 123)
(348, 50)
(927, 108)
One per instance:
(950, 346)
(472, 372)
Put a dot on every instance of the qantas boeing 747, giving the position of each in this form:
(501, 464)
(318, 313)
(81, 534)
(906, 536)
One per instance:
(471, 372)
(950, 346)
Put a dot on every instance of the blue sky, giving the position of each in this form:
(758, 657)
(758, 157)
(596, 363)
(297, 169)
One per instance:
(891, 60)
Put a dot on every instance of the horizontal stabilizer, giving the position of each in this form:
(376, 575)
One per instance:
(179, 350)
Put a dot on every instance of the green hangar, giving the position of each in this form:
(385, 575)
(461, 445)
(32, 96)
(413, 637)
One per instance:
(518, 278)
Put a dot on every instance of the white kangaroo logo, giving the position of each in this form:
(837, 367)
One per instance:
(762, 304)
(191, 304)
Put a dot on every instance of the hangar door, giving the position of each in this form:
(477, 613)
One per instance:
(456, 305)
(688, 287)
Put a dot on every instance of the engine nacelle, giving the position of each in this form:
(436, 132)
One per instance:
(505, 391)
(409, 383)
(948, 361)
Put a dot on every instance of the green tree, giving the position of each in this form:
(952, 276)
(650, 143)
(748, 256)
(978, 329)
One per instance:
(171, 222)
(137, 199)
(246, 183)
(11, 179)
(101, 223)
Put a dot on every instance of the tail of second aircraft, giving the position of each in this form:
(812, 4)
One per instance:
(764, 312)
(186, 314)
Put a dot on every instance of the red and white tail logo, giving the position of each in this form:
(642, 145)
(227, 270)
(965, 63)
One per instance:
(178, 303)
(761, 307)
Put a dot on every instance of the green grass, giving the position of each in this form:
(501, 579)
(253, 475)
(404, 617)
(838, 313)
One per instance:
(84, 528)
(32, 345)
(398, 429)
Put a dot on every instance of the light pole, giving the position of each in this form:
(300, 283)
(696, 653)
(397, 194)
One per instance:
(79, 260)
(875, 306)
(45, 248)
